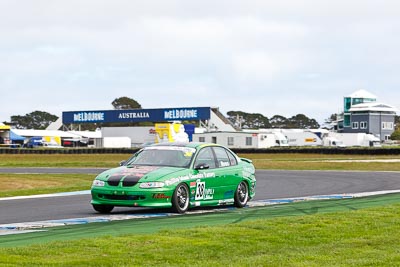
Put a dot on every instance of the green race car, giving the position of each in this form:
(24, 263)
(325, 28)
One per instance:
(177, 176)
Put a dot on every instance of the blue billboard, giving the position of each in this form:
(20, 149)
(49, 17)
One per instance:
(136, 115)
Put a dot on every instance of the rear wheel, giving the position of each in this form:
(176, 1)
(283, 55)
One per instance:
(180, 198)
(241, 195)
(103, 208)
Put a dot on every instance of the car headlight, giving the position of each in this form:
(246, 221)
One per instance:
(152, 185)
(98, 183)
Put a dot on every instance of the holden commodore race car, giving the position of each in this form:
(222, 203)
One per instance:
(177, 176)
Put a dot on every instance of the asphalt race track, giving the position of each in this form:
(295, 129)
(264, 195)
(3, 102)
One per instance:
(271, 184)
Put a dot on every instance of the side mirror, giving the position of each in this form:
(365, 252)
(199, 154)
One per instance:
(202, 166)
(122, 163)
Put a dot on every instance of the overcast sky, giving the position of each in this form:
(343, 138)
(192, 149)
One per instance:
(270, 57)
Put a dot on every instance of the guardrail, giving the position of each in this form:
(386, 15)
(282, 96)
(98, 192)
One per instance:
(68, 150)
(325, 150)
(277, 150)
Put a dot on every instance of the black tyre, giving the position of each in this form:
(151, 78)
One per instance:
(241, 195)
(103, 208)
(180, 198)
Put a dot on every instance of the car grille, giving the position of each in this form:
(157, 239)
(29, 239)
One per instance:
(122, 197)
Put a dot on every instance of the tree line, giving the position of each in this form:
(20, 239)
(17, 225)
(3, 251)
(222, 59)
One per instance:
(40, 120)
(245, 120)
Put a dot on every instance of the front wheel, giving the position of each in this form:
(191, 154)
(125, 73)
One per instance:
(241, 195)
(180, 198)
(103, 208)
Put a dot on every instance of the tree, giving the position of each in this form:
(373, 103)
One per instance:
(248, 120)
(396, 134)
(301, 121)
(278, 121)
(35, 120)
(332, 118)
(125, 103)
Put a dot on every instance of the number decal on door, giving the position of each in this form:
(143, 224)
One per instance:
(200, 188)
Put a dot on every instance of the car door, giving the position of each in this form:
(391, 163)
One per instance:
(228, 173)
(205, 175)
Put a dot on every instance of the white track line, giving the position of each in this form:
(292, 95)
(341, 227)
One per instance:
(64, 194)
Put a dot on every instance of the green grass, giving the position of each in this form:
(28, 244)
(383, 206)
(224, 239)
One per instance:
(61, 160)
(322, 162)
(367, 237)
(324, 166)
(261, 161)
(31, 184)
(313, 157)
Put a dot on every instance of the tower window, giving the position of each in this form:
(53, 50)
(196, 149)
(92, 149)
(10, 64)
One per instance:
(363, 125)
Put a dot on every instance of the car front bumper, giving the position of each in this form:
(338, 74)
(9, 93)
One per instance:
(157, 197)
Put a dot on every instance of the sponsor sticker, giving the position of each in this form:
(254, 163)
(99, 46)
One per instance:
(203, 193)
(175, 180)
(160, 196)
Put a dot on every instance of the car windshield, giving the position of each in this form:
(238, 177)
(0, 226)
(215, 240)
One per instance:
(163, 156)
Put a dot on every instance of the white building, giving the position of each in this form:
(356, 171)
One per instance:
(245, 139)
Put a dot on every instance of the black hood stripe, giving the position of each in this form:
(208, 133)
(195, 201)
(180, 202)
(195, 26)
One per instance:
(115, 179)
(130, 180)
(131, 175)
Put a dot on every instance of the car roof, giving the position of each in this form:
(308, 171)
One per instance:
(185, 144)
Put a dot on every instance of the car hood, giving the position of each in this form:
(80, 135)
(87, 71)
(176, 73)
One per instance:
(148, 173)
